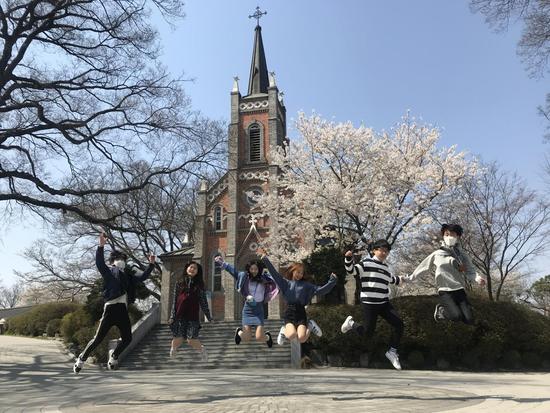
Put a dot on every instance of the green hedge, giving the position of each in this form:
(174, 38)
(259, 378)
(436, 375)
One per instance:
(504, 336)
(35, 322)
(76, 323)
(79, 327)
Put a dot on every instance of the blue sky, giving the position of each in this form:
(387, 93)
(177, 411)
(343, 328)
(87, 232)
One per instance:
(364, 61)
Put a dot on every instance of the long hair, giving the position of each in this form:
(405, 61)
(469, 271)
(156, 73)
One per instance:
(258, 264)
(289, 272)
(186, 283)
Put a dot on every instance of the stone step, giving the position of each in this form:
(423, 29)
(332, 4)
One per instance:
(153, 351)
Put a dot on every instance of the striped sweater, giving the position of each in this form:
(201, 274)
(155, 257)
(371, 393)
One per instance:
(375, 278)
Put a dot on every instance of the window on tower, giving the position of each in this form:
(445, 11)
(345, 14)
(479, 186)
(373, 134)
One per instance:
(218, 218)
(255, 146)
(216, 274)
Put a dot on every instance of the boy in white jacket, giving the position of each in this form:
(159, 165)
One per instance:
(451, 267)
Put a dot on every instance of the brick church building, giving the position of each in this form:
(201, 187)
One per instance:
(227, 222)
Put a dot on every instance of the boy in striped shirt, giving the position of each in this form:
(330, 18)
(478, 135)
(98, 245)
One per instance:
(375, 278)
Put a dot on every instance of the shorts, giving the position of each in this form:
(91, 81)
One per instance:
(295, 314)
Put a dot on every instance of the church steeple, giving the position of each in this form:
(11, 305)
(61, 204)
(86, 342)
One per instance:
(258, 82)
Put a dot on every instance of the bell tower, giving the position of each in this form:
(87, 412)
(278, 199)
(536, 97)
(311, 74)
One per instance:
(258, 126)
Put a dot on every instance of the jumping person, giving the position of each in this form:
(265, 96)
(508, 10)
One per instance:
(451, 267)
(298, 292)
(189, 296)
(257, 288)
(375, 278)
(118, 291)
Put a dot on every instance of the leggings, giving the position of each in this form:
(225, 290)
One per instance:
(113, 315)
(456, 306)
(388, 313)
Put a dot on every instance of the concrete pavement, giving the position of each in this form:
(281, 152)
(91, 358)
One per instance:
(36, 376)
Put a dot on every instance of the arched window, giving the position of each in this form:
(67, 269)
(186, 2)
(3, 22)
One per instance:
(218, 218)
(216, 273)
(255, 143)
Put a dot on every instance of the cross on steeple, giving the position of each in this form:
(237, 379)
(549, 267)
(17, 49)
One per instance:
(257, 15)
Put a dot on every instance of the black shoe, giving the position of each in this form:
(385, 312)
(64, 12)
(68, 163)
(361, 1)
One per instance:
(237, 336)
(269, 340)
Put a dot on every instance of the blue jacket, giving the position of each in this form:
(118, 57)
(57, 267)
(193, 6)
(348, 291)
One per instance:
(241, 284)
(115, 281)
(298, 292)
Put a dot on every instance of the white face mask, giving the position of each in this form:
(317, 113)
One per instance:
(450, 241)
(120, 264)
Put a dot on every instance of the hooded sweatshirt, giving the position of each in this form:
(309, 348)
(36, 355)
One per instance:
(446, 264)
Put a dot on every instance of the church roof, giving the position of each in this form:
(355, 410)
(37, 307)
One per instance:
(186, 250)
(258, 81)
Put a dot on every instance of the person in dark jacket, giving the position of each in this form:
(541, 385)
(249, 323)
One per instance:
(118, 292)
(298, 292)
(189, 297)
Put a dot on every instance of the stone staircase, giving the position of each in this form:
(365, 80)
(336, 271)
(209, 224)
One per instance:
(152, 353)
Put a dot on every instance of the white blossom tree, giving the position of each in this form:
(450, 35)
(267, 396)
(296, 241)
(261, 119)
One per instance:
(343, 182)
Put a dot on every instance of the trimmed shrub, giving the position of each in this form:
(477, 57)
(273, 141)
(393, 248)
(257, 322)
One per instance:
(73, 322)
(504, 336)
(35, 321)
(53, 327)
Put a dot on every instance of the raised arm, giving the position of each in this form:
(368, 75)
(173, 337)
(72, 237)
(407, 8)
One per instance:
(424, 268)
(226, 266)
(100, 258)
(351, 269)
(147, 273)
(325, 289)
(279, 280)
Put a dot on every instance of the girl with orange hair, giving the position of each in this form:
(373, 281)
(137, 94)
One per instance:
(298, 292)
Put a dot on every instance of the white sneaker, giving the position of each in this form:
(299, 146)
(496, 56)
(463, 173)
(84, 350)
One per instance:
(113, 362)
(281, 337)
(314, 328)
(204, 354)
(78, 365)
(437, 313)
(393, 357)
(347, 324)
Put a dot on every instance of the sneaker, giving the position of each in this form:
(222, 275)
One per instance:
(393, 357)
(78, 365)
(314, 328)
(237, 336)
(281, 336)
(204, 354)
(437, 313)
(113, 362)
(347, 324)
(268, 340)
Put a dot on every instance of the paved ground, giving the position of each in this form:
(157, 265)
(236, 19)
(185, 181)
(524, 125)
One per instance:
(36, 376)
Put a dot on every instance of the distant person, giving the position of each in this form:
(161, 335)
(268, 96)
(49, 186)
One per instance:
(119, 286)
